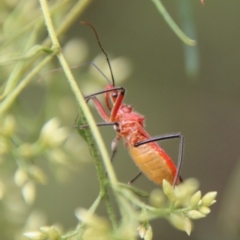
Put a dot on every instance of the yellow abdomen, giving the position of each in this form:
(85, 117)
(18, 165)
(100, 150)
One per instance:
(153, 162)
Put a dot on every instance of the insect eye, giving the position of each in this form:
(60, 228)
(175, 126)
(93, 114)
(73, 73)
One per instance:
(114, 95)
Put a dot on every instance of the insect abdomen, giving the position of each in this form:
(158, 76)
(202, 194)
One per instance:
(153, 162)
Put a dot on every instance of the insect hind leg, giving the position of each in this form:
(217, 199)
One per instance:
(135, 178)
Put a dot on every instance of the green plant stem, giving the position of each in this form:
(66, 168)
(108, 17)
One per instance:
(172, 24)
(66, 22)
(100, 171)
(79, 96)
(79, 232)
(134, 190)
(30, 54)
(80, 99)
(96, 203)
(90, 120)
(71, 16)
(14, 76)
(13, 95)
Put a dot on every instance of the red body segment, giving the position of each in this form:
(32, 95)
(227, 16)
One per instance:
(151, 159)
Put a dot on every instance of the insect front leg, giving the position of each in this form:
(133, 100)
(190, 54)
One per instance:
(117, 97)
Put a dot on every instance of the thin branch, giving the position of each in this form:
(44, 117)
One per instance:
(172, 24)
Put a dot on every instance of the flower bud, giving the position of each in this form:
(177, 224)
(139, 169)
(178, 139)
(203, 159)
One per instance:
(185, 190)
(209, 199)
(53, 233)
(4, 146)
(156, 198)
(168, 191)
(57, 155)
(145, 232)
(75, 51)
(195, 199)
(181, 222)
(20, 177)
(194, 214)
(28, 192)
(52, 135)
(2, 189)
(141, 230)
(204, 210)
(91, 219)
(8, 126)
(45, 229)
(36, 236)
(121, 67)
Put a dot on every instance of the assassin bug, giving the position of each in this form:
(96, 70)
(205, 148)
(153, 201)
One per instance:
(151, 159)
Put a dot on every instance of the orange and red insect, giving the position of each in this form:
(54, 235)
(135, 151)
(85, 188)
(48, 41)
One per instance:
(151, 159)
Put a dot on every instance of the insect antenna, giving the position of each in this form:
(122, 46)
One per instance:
(74, 67)
(100, 45)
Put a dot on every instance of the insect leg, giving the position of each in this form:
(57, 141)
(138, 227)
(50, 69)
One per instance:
(114, 146)
(180, 152)
(99, 107)
(136, 177)
(102, 124)
(104, 91)
(118, 99)
(117, 104)
(102, 112)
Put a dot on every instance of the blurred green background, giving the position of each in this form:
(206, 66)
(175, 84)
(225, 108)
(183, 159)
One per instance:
(202, 104)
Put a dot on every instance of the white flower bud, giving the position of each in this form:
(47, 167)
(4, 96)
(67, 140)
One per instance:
(195, 199)
(181, 222)
(168, 191)
(91, 219)
(204, 210)
(53, 233)
(8, 126)
(57, 155)
(52, 135)
(121, 67)
(45, 229)
(194, 214)
(185, 190)
(209, 198)
(20, 177)
(145, 232)
(4, 146)
(75, 51)
(36, 236)
(157, 198)
(141, 231)
(2, 189)
(29, 192)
